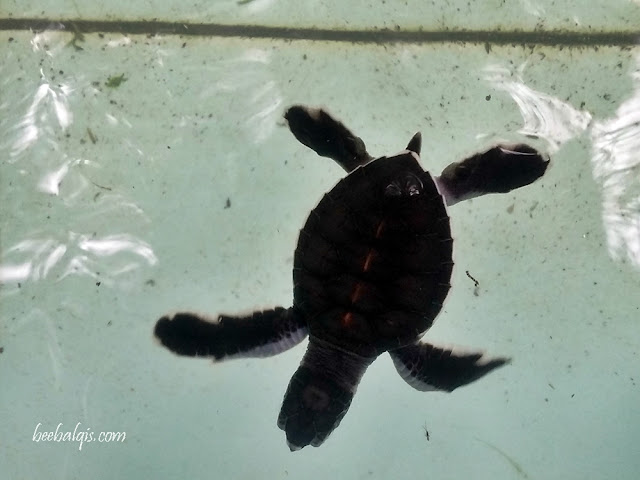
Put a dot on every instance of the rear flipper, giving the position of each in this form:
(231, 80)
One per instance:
(426, 367)
(499, 170)
(326, 136)
(319, 393)
(261, 334)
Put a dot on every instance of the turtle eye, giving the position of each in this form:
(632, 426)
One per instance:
(413, 185)
(392, 190)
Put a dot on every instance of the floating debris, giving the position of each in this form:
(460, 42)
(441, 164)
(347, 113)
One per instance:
(92, 136)
(115, 81)
(101, 186)
(516, 466)
(78, 36)
(426, 431)
(476, 288)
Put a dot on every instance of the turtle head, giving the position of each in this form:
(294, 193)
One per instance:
(319, 394)
(406, 184)
(400, 174)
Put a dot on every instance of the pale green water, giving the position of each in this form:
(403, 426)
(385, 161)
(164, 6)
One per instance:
(113, 212)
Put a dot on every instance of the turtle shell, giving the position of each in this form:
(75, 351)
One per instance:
(374, 259)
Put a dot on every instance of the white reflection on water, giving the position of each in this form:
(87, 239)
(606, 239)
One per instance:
(256, 6)
(616, 151)
(112, 244)
(50, 182)
(34, 259)
(249, 78)
(544, 115)
(616, 165)
(36, 119)
(123, 41)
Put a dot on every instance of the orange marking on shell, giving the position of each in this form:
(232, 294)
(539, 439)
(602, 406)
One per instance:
(379, 230)
(346, 319)
(356, 293)
(367, 261)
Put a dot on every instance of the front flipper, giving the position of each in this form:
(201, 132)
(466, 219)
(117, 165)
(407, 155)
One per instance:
(261, 334)
(326, 136)
(499, 170)
(426, 367)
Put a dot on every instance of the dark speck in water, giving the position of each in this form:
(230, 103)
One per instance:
(476, 288)
(151, 282)
(101, 186)
(115, 81)
(92, 136)
(515, 465)
(487, 98)
(227, 204)
(1, 349)
(98, 284)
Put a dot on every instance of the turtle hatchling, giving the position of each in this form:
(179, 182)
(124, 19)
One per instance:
(371, 271)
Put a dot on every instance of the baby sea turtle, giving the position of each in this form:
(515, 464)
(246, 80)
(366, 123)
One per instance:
(371, 272)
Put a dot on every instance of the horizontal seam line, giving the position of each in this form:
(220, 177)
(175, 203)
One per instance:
(370, 36)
